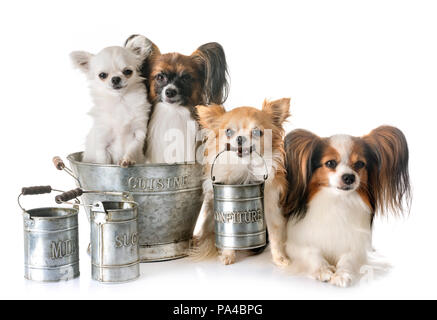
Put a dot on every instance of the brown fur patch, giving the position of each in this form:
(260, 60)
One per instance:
(358, 154)
(389, 181)
(320, 178)
(209, 116)
(206, 67)
(301, 148)
(278, 110)
(179, 64)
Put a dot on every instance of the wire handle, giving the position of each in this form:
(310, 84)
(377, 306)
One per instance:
(228, 148)
(35, 190)
(75, 193)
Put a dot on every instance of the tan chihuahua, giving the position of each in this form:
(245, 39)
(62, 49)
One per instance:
(242, 131)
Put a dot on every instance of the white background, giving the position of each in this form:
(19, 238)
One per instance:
(349, 66)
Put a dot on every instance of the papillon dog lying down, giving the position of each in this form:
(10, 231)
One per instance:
(121, 109)
(177, 83)
(336, 187)
(242, 131)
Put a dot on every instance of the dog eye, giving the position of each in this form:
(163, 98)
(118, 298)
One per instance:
(331, 164)
(257, 133)
(185, 78)
(160, 77)
(127, 72)
(229, 133)
(103, 75)
(359, 165)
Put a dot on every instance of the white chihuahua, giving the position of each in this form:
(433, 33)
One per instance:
(121, 108)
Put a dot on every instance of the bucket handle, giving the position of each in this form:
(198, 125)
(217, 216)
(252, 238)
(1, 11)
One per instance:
(35, 190)
(75, 193)
(228, 148)
(60, 165)
(72, 194)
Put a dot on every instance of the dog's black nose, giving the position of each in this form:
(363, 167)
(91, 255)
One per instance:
(348, 178)
(116, 80)
(241, 140)
(170, 93)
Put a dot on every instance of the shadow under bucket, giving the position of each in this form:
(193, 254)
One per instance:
(169, 198)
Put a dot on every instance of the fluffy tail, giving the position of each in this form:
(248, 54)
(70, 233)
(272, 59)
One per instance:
(203, 248)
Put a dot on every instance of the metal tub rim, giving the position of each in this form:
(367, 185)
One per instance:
(255, 184)
(133, 207)
(74, 156)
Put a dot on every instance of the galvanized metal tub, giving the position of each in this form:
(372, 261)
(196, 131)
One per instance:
(114, 241)
(169, 198)
(51, 244)
(239, 216)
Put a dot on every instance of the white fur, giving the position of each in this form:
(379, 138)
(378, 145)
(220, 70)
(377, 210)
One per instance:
(343, 144)
(120, 128)
(120, 116)
(172, 134)
(331, 242)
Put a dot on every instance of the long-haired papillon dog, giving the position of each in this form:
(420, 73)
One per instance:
(121, 108)
(177, 83)
(242, 131)
(336, 187)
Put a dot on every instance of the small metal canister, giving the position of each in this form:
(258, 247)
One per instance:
(239, 215)
(51, 241)
(114, 241)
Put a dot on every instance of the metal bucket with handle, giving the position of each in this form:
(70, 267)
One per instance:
(239, 213)
(114, 236)
(51, 240)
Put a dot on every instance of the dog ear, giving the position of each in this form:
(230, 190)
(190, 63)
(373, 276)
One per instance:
(389, 180)
(209, 116)
(279, 110)
(81, 60)
(302, 152)
(212, 61)
(142, 46)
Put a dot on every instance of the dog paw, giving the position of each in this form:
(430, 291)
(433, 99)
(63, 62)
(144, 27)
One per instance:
(324, 274)
(228, 257)
(281, 260)
(341, 279)
(126, 163)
